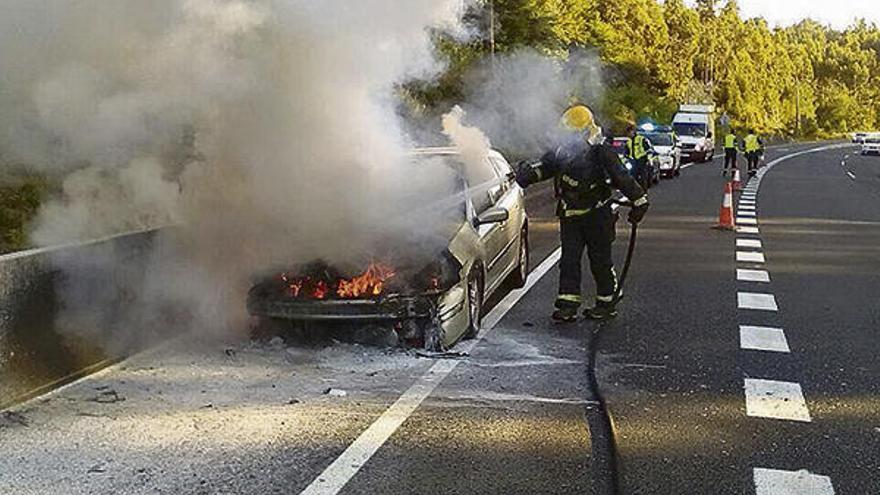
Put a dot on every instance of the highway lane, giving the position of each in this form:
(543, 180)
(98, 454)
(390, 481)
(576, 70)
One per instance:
(233, 417)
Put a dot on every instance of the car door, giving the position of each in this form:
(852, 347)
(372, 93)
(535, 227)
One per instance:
(509, 197)
(485, 191)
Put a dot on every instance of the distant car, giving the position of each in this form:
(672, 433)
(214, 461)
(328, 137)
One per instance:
(430, 299)
(859, 137)
(668, 150)
(871, 145)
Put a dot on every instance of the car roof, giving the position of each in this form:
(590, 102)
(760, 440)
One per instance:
(445, 150)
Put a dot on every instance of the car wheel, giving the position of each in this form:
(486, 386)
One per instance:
(475, 303)
(521, 272)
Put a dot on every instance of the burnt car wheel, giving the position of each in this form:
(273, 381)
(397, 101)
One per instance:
(475, 303)
(521, 272)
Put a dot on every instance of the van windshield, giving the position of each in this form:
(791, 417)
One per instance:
(689, 129)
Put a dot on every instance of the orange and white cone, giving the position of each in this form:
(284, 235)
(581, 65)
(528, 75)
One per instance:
(737, 184)
(725, 217)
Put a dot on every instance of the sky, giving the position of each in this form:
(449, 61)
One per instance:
(838, 13)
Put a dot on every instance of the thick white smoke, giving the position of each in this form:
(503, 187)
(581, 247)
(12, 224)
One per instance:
(518, 98)
(265, 128)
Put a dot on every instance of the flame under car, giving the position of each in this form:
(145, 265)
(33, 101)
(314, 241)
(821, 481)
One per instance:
(432, 299)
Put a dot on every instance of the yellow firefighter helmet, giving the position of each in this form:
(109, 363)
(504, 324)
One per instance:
(579, 118)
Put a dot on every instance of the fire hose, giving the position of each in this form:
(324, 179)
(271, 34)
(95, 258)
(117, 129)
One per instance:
(630, 250)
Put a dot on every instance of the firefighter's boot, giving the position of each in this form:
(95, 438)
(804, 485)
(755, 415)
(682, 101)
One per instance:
(567, 314)
(601, 311)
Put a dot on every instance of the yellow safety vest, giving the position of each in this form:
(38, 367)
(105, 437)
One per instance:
(751, 143)
(636, 147)
(730, 141)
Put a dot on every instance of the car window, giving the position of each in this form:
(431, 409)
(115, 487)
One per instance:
(481, 177)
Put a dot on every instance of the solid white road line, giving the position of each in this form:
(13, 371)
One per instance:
(746, 221)
(347, 465)
(776, 400)
(754, 300)
(748, 243)
(777, 482)
(763, 339)
(746, 213)
(748, 230)
(749, 257)
(752, 275)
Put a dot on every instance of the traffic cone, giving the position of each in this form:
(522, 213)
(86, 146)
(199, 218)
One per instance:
(725, 217)
(737, 184)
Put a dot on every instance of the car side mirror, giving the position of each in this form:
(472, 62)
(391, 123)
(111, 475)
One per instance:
(492, 215)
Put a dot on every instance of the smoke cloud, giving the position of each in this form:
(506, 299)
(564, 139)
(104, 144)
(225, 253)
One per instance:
(518, 98)
(265, 129)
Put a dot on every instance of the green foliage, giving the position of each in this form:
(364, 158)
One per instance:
(662, 52)
(20, 200)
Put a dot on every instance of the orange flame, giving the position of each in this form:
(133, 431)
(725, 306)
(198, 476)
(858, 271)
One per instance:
(370, 283)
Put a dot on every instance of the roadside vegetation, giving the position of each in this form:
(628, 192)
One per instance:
(20, 197)
(803, 81)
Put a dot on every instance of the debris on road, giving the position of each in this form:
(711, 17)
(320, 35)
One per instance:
(335, 392)
(441, 355)
(107, 396)
(11, 418)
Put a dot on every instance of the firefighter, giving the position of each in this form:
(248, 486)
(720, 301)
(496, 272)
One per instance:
(730, 152)
(753, 147)
(581, 167)
(638, 149)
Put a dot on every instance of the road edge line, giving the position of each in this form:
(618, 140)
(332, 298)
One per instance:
(335, 476)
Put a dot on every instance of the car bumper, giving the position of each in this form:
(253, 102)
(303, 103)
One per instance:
(445, 306)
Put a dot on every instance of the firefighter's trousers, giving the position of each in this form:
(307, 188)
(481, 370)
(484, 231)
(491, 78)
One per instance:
(754, 157)
(595, 232)
(729, 159)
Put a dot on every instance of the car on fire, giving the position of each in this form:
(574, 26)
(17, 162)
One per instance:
(428, 301)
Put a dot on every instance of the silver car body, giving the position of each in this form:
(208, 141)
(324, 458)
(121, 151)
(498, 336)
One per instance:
(489, 244)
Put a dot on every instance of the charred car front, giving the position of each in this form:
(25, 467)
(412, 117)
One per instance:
(427, 299)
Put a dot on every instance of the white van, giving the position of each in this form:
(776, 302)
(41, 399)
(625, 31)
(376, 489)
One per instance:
(695, 127)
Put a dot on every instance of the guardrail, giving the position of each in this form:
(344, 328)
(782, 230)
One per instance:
(58, 307)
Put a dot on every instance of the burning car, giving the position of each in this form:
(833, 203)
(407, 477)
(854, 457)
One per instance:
(431, 301)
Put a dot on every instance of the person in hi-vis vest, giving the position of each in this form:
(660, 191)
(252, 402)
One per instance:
(730, 152)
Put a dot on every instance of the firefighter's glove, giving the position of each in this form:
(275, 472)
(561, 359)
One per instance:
(526, 174)
(638, 210)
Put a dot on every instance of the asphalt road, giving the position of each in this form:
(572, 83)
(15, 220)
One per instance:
(236, 417)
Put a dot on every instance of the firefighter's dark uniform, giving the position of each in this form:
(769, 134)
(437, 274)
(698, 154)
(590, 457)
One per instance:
(729, 153)
(581, 173)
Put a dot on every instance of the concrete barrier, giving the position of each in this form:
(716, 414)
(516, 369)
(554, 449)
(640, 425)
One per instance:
(45, 340)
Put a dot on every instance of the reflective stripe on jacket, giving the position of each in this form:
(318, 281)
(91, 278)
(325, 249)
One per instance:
(636, 147)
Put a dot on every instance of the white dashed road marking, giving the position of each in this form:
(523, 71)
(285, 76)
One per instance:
(746, 207)
(746, 213)
(777, 482)
(851, 175)
(746, 202)
(747, 230)
(752, 275)
(748, 243)
(749, 257)
(746, 221)
(776, 400)
(763, 339)
(760, 302)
